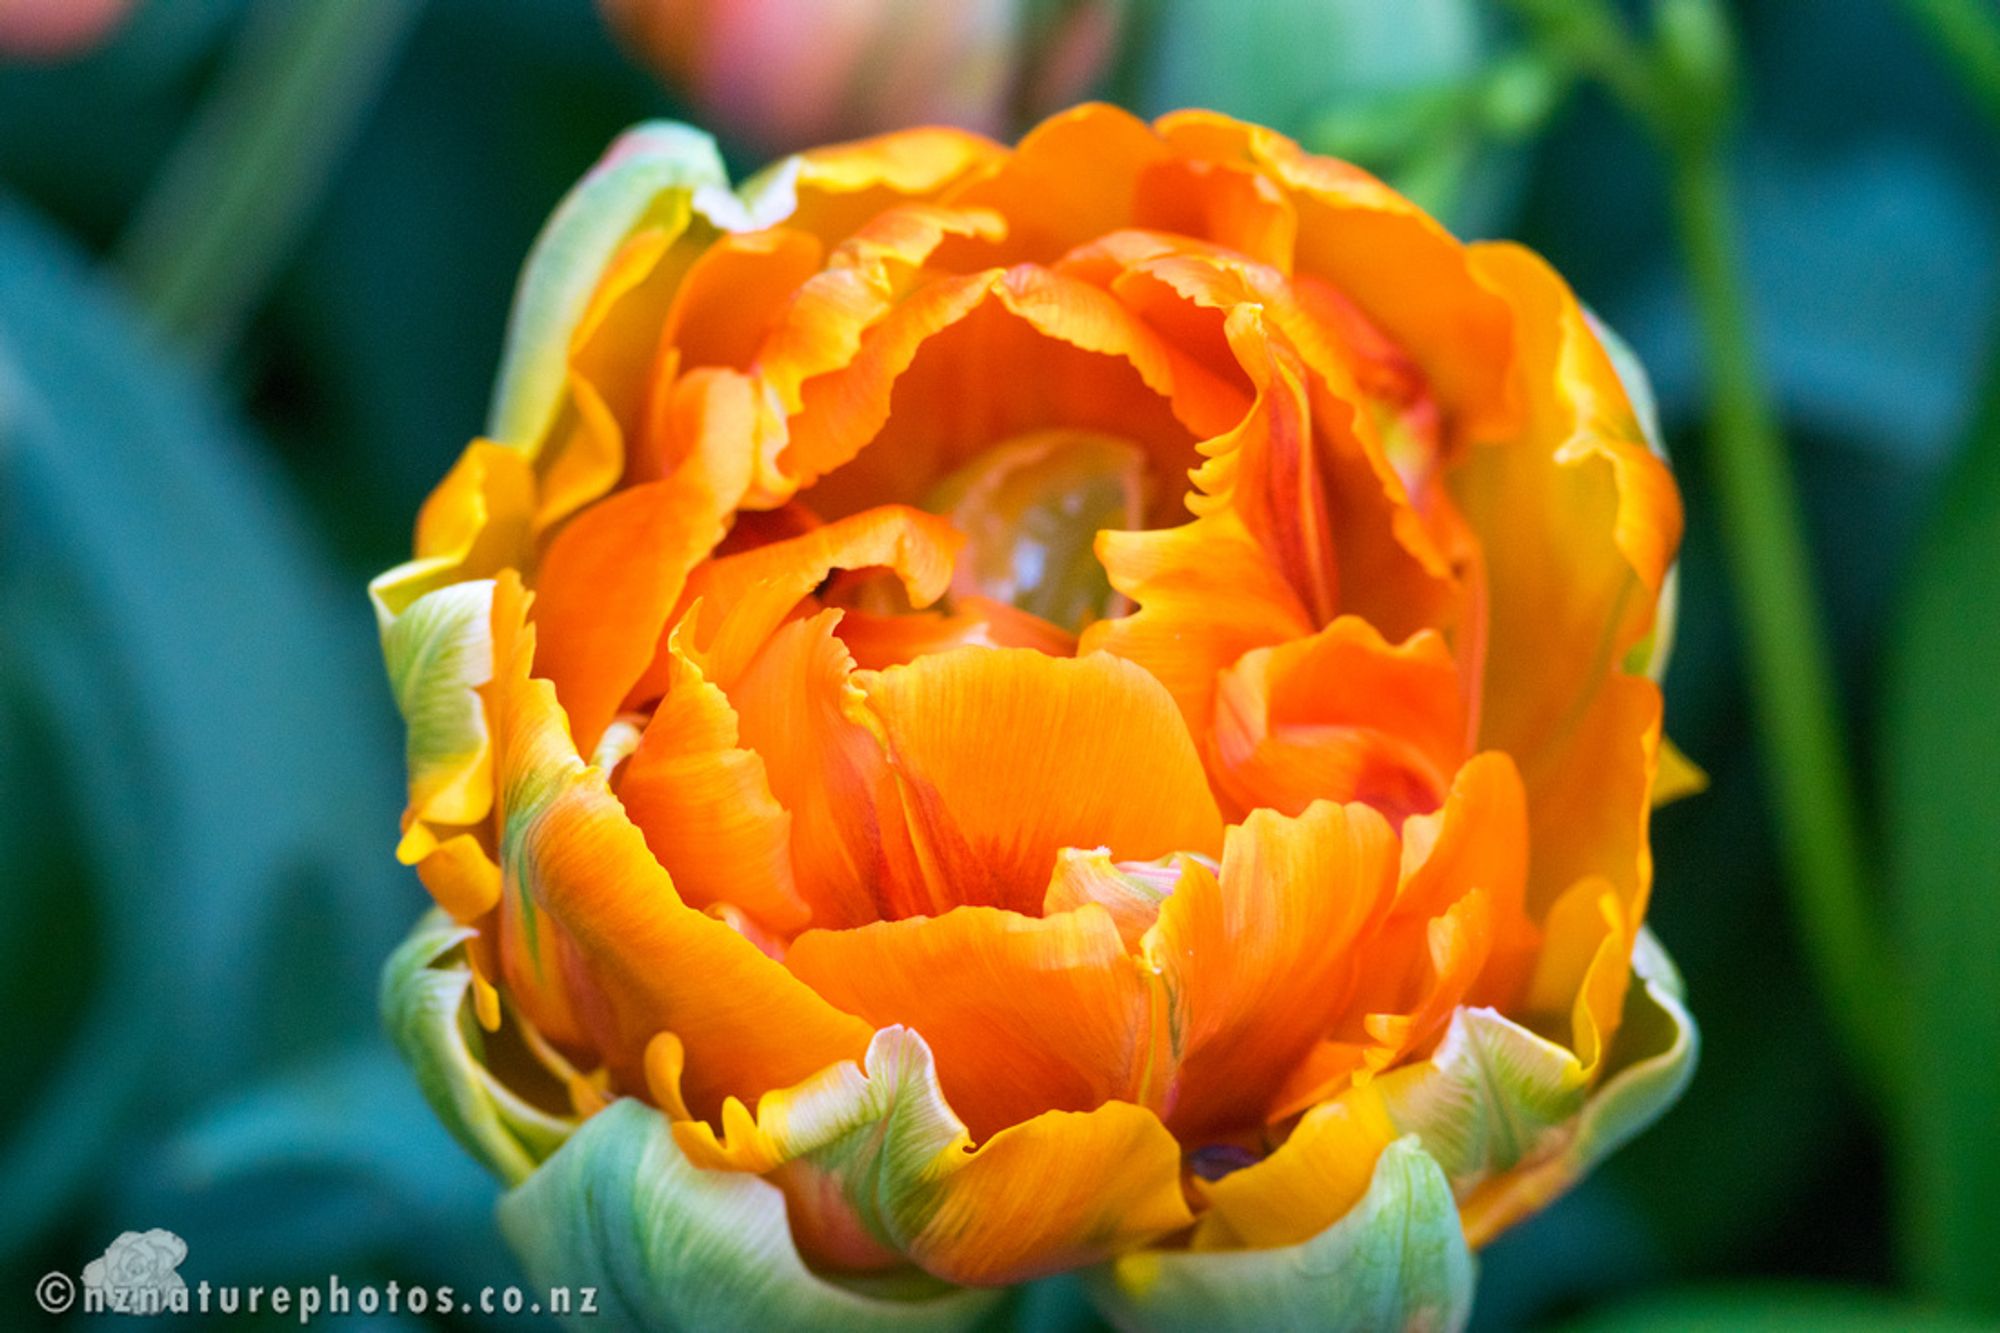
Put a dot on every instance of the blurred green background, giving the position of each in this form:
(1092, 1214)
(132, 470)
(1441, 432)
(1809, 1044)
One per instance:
(255, 259)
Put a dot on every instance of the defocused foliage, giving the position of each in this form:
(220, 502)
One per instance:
(200, 765)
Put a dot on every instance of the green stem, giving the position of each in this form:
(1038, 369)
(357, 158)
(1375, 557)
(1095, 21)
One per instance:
(1967, 32)
(1797, 710)
(232, 200)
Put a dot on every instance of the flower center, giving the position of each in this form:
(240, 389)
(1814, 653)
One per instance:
(1031, 508)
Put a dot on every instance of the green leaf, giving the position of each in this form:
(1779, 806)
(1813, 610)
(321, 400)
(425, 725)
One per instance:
(229, 205)
(1777, 1310)
(1942, 752)
(337, 1166)
(214, 719)
(668, 1246)
(1397, 1260)
(425, 1007)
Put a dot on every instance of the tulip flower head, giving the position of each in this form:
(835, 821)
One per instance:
(981, 712)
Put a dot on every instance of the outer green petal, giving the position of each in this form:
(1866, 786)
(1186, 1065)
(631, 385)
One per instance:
(439, 652)
(1652, 1059)
(1491, 1096)
(652, 172)
(1397, 1260)
(669, 1246)
(1505, 1111)
(425, 989)
(1067, 1186)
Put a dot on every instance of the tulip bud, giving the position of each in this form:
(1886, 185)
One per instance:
(778, 74)
(982, 713)
(55, 29)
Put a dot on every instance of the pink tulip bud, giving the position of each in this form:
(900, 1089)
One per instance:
(778, 74)
(56, 29)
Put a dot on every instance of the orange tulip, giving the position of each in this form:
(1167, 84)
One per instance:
(1081, 705)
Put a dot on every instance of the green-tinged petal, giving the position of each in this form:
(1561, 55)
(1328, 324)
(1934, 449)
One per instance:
(650, 175)
(1501, 1095)
(1397, 1260)
(1492, 1095)
(1053, 1192)
(670, 1246)
(439, 652)
(426, 1007)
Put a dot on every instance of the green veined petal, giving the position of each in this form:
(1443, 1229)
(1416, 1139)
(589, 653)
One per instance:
(1493, 1094)
(425, 988)
(439, 652)
(1062, 1189)
(1397, 1260)
(1506, 1113)
(653, 170)
(669, 1246)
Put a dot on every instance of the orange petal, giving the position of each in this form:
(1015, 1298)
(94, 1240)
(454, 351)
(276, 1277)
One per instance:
(601, 610)
(571, 854)
(841, 410)
(1236, 208)
(1073, 177)
(1024, 1014)
(920, 401)
(799, 710)
(865, 280)
(1269, 468)
(1576, 520)
(735, 292)
(1479, 840)
(1410, 276)
(1589, 796)
(1259, 960)
(1207, 594)
(1054, 1192)
(459, 875)
(1310, 460)
(1457, 933)
(747, 596)
(840, 188)
(1004, 756)
(705, 805)
(1341, 716)
(879, 641)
